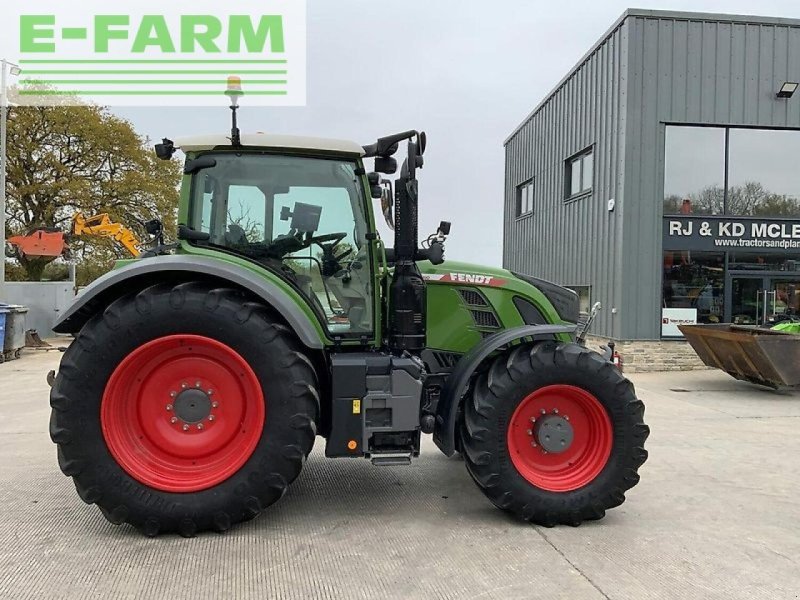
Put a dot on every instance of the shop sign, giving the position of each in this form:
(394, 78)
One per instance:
(731, 233)
(672, 317)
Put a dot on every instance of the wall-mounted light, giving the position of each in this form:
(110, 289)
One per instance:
(787, 89)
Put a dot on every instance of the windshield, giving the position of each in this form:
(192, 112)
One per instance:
(302, 217)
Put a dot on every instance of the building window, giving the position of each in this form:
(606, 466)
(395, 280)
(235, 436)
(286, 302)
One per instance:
(580, 173)
(525, 199)
(694, 171)
(695, 281)
(763, 177)
(734, 171)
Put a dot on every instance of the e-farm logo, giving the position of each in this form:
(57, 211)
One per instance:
(146, 56)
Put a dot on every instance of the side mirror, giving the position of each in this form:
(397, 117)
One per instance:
(385, 164)
(422, 143)
(153, 227)
(374, 180)
(165, 149)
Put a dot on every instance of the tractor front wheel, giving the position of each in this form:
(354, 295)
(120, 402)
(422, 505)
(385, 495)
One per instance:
(553, 433)
(183, 408)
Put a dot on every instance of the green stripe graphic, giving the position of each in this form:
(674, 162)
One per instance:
(148, 72)
(152, 61)
(221, 82)
(145, 92)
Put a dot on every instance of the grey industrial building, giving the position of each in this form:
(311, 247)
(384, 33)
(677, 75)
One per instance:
(661, 176)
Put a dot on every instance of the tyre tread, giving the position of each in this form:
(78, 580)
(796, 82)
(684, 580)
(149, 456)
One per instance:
(263, 487)
(484, 445)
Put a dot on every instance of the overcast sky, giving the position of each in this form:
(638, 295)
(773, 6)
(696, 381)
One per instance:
(465, 71)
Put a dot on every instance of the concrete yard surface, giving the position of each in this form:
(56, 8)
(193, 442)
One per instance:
(716, 515)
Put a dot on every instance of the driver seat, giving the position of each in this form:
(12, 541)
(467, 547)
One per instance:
(235, 236)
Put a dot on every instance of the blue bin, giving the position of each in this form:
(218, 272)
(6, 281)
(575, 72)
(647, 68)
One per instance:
(12, 339)
(3, 312)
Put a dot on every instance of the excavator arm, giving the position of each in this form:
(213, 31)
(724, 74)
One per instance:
(101, 225)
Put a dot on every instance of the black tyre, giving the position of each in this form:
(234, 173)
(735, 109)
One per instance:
(553, 433)
(183, 408)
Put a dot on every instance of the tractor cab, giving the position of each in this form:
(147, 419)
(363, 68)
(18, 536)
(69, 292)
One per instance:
(296, 206)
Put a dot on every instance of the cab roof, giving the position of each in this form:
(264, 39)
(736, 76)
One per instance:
(272, 141)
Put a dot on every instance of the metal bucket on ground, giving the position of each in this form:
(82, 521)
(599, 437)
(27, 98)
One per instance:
(764, 356)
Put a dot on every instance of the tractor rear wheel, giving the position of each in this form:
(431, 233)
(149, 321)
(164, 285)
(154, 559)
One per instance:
(553, 434)
(183, 408)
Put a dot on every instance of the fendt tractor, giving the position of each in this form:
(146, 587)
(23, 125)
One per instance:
(202, 371)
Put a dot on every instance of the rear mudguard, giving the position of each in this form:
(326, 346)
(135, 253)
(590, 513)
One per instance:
(458, 382)
(141, 273)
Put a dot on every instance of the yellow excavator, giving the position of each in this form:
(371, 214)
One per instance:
(102, 225)
(52, 242)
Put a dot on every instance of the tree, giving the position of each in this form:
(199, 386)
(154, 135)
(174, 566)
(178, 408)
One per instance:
(66, 159)
(709, 201)
(672, 204)
(749, 199)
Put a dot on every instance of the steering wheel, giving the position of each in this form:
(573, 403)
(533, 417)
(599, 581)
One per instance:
(331, 263)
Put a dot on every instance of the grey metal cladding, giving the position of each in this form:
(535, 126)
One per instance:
(651, 68)
(73, 318)
(573, 242)
(699, 70)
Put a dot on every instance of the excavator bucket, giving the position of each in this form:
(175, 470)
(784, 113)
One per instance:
(764, 356)
(39, 243)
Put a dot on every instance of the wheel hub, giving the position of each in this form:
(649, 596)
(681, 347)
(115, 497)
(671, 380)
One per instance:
(182, 413)
(560, 437)
(192, 406)
(553, 433)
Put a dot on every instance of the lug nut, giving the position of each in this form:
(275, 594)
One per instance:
(173, 394)
(544, 412)
(184, 386)
(566, 417)
(199, 425)
(209, 392)
(214, 404)
(173, 420)
(210, 417)
(555, 411)
(533, 444)
(185, 427)
(169, 406)
(529, 432)
(197, 384)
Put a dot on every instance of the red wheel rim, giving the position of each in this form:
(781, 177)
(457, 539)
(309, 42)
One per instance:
(182, 413)
(582, 458)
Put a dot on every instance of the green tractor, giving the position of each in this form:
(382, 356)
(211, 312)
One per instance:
(202, 372)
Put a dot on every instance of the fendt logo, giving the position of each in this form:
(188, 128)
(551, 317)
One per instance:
(152, 54)
(474, 278)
